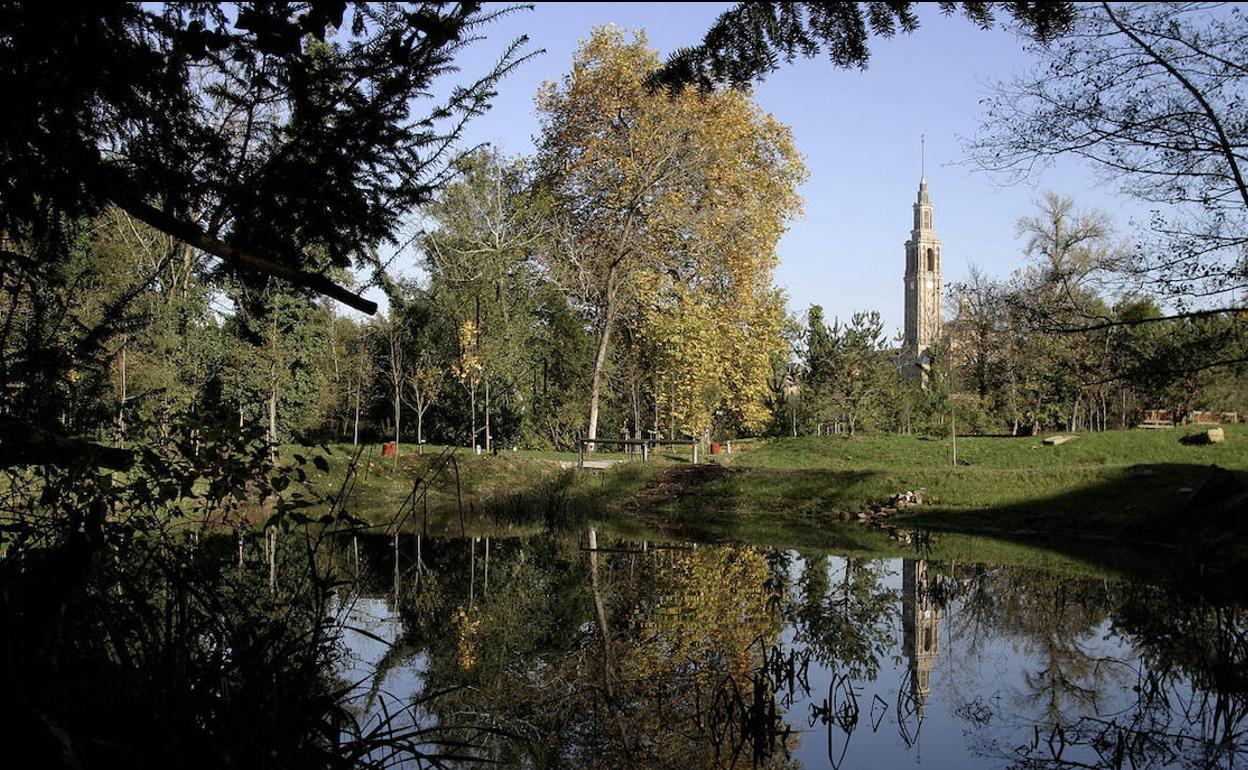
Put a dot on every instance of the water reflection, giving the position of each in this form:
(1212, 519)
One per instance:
(583, 651)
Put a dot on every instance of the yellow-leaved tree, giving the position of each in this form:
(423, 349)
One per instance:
(668, 212)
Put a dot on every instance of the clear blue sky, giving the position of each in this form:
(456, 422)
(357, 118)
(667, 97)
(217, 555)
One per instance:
(859, 132)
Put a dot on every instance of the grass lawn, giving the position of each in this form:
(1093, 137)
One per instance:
(511, 486)
(1097, 475)
(1141, 489)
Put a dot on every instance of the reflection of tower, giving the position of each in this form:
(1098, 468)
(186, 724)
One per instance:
(920, 625)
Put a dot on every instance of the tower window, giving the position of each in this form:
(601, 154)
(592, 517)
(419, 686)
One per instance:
(931, 260)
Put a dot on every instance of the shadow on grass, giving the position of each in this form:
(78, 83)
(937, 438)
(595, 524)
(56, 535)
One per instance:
(1166, 521)
(1158, 520)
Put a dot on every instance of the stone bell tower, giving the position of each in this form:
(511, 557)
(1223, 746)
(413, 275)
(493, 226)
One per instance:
(923, 284)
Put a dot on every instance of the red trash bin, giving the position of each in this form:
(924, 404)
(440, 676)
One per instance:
(714, 447)
(388, 449)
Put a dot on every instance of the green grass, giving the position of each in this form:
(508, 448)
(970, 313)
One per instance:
(1096, 474)
(1100, 501)
(515, 487)
(892, 452)
(1139, 490)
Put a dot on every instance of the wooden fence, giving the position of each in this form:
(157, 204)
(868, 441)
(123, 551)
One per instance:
(1165, 418)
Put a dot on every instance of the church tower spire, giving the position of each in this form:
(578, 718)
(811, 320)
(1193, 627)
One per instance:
(922, 279)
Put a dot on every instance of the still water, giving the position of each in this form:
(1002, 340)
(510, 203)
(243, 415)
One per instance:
(575, 650)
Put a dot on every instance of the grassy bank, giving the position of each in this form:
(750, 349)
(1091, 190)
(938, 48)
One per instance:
(516, 487)
(1109, 477)
(1131, 492)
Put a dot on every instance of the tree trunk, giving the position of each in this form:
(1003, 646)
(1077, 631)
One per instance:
(121, 410)
(355, 440)
(600, 359)
(472, 408)
(636, 431)
(272, 410)
(608, 658)
(488, 443)
(398, 413)
(420, 429)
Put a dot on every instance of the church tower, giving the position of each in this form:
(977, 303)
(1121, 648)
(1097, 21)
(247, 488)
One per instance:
(923, 285)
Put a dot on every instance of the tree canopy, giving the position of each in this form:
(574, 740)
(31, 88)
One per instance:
(669, 209)
(280, 138)
(751, 40)
(1152, 95)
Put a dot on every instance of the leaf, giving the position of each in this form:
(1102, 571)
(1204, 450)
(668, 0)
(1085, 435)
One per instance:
(321, 464)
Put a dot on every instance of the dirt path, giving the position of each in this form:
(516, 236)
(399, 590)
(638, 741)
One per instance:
(679, 480)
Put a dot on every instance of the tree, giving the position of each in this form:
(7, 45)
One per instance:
(277, 139)
(640, 183)
(353, 370)
(1151, 95)
(749, 41)
(481, 257)
(976, 333)
(817, 371)
(393, 341)
(859, 370)
(467, 368)
(1067, 246)
(278, 355)
(253, 135)
(424, 384)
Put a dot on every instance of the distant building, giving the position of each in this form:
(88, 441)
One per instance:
(923, 288)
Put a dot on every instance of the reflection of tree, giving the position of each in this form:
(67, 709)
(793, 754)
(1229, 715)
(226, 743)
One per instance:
(847, 623)
(1049, 616)
(1196, 657)
(1052, 615)
(971, 620)
(609, 658)
(698, 644)
(1188, 691)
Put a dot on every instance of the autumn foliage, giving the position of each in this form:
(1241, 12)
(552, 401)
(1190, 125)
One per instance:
(670, 208)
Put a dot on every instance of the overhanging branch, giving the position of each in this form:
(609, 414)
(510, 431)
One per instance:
(191, 234)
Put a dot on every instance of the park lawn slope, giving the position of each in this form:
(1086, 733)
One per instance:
(1138, 485)
(515, 486)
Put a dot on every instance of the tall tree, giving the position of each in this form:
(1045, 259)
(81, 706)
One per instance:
(859, 370)
(487, 229)
(1152, 95)
(640, 183)
(393, 342)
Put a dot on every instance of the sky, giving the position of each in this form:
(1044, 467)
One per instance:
(859, 133)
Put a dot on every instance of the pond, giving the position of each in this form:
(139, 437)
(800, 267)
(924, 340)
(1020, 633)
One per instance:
(578, 650)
